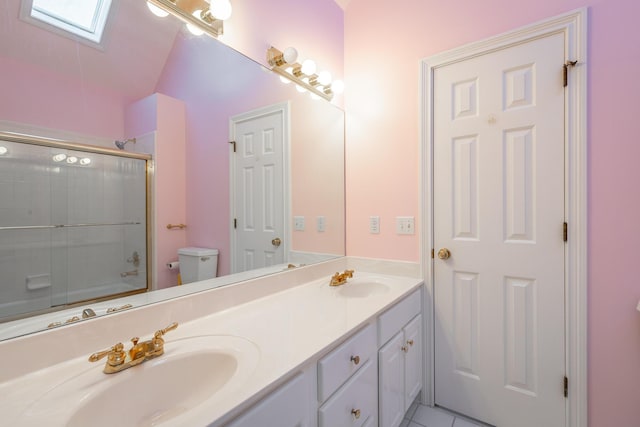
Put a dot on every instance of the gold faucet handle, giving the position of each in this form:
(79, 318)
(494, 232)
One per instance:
(349, 273)
(161, 332)
(116, 349)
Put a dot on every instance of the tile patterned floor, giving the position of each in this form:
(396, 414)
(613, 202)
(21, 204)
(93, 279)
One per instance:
(424, 416)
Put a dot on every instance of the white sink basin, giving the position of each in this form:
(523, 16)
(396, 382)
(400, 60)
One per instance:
(192, 372)
(363, 287)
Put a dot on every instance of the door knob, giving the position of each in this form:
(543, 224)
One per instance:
(276, 242)
(444, 253)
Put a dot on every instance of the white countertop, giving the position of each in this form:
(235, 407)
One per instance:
(291, 328)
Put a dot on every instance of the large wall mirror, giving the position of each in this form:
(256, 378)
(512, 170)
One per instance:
(151, 86)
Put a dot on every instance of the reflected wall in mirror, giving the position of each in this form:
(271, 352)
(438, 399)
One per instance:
(178, 95)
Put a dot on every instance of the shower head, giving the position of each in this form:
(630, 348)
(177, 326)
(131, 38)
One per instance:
(121, 144)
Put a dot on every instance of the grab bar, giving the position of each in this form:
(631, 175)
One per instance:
(39, 227)
(176, 226)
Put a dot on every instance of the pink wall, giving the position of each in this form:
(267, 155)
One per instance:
(36, 96)
(382, 103)
(165, 116)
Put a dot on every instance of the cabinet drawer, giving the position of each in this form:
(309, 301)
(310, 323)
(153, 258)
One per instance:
(392, 320)
(336, 367)
(360, 393)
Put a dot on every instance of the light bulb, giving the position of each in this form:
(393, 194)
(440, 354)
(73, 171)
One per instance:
(290, 55)
(85, 161)
(59, 157)
(220, 9)
(337, 86)
(324, 78)
(72, 159)
(308, 67)
(192, 28)
(157, 11)
(3, 150)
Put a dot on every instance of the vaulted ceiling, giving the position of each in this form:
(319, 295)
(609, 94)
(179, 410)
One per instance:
(136, 46)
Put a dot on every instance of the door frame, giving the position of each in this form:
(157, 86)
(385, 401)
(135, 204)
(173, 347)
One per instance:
(574, 27)
(284, 109)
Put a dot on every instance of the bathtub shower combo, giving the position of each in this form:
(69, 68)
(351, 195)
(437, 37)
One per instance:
(73, 224)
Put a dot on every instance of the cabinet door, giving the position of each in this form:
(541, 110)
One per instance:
(391, 382)
(285, 407)
(413, 360)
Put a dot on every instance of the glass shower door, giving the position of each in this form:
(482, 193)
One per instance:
(73, 227)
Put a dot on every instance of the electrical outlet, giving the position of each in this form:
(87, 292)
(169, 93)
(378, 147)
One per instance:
(321, 224)
(374, 224)
(405, 225)
(298, 223)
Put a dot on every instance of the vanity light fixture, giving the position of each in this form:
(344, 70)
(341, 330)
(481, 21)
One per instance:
(85, 161)
(72, 159)
(203, 16)
(3, 150)
(193, 29)
(59, 157)
(157, 11)
(304, 75)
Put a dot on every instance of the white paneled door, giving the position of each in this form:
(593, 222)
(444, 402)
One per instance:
(258, 189)
(498, 235)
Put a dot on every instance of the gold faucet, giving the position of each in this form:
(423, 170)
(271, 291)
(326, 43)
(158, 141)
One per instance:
(119, 360)
(340, 279)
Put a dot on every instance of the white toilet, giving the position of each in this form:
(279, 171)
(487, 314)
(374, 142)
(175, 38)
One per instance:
(197, 264)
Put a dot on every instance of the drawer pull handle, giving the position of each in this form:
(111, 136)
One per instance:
(355, 359)
(410, 342)
(356, 413)
(405, 349)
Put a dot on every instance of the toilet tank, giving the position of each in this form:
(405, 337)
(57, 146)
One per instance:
(197, 264)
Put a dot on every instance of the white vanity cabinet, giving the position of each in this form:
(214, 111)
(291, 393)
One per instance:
(287, 406)
(348, 382)
(369, 380)
(399, 359)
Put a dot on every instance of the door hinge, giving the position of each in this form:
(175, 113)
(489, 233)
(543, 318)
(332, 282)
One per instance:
(433, 253)
(234, 145)
(566, 387)
(235, 223)
(565, 232)
(565, 72)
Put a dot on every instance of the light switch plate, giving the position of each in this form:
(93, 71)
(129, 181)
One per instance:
(298, 223)
(321, 224)
(374, 224)
(405, 225)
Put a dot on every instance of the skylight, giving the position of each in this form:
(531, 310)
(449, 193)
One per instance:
(83, 18)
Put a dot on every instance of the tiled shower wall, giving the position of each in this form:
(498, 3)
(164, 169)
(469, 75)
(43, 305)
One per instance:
(42, 268)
